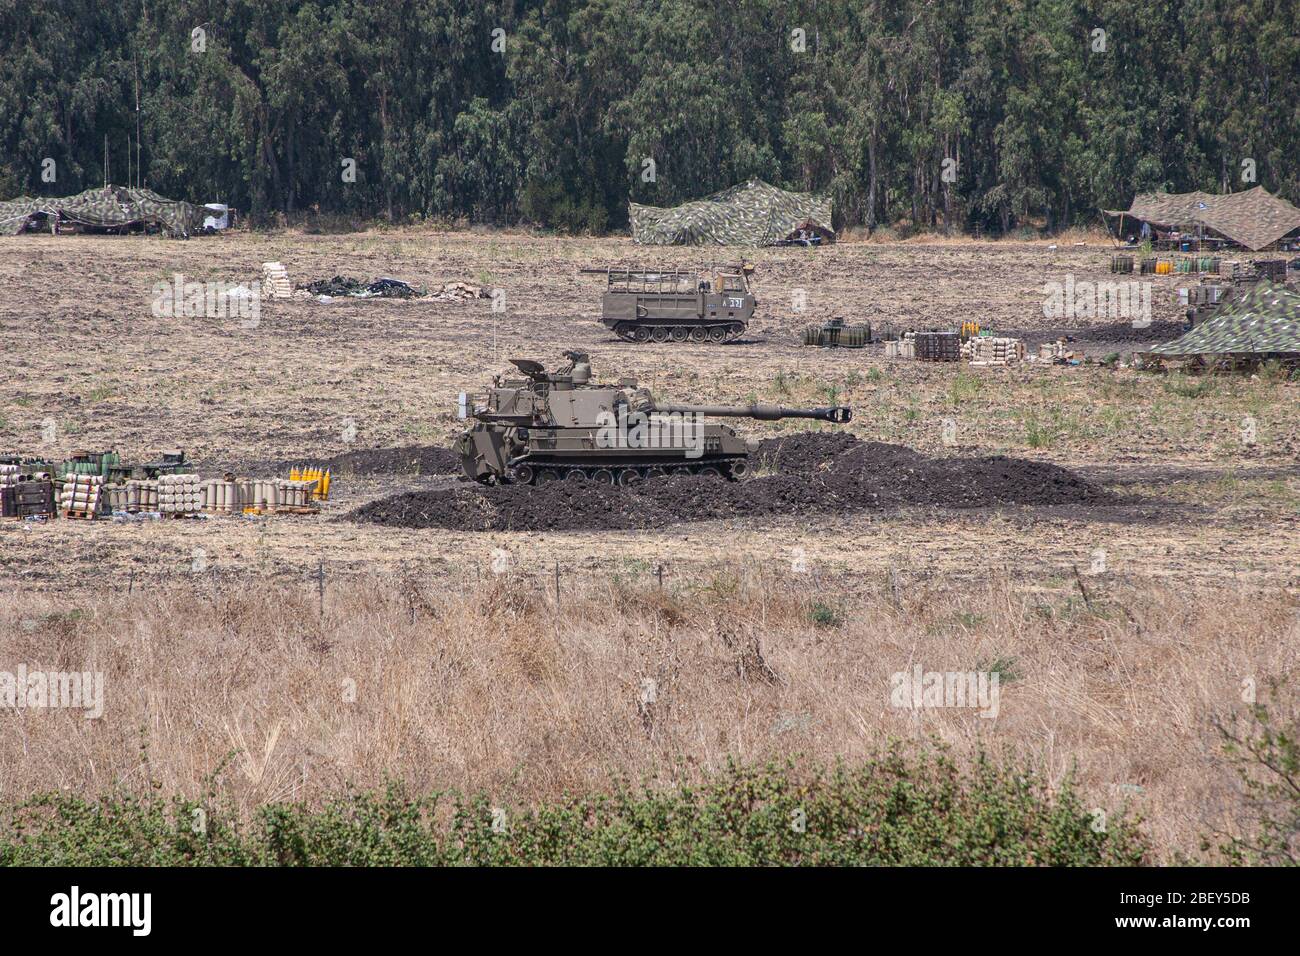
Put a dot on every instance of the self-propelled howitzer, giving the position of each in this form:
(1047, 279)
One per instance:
(556, 425)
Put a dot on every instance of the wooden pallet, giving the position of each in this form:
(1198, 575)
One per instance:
(74, 515)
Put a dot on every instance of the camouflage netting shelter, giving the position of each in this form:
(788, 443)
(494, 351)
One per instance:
(750, 214)
(1254, 218)
(1264, 321)
(111, 207)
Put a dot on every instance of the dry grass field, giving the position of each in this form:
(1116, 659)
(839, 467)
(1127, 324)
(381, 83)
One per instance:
(446, 658)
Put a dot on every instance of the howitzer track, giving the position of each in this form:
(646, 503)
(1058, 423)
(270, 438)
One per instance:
(736, 469)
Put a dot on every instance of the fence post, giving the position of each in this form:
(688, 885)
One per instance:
(320, 586)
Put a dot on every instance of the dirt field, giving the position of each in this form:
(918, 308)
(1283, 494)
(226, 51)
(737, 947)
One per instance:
(313, 381)
(1128, 497)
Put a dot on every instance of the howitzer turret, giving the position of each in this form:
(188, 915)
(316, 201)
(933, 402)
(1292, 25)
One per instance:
(556, 425)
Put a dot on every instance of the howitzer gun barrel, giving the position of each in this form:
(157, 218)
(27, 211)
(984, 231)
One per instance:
(765, 413)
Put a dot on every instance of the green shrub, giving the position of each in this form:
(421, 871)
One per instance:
(1187, 386)
(892, 810)
(823, 615)
(1263, 747)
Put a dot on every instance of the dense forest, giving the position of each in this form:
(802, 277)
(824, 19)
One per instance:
(964, 114)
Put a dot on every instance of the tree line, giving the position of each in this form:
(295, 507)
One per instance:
(987, 115)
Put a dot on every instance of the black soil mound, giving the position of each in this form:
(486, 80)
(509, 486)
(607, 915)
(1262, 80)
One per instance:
(810, 474)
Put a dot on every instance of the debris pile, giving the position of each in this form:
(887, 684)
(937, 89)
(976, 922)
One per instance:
(814, 474)
(382, 288)
(459, 292)
(1058, 353)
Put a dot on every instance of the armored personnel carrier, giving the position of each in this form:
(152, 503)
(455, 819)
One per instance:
(546, 426)
(669, 305)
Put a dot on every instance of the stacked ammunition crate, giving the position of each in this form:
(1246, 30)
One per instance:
(1274, 270)
(8, 489)
(221, 497)
(258, 495)
(1208, 294)
(904, 348)
(141, 495)
(319, 478)
(938, 347)
(993, 350)
(180, 494)
(275, 281)
(115, 498)
(34, 498)
(79, 497)
(294, 496)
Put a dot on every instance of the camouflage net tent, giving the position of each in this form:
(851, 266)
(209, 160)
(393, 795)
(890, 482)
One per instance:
(750, 214)
(110, 207)
(1254, 218)
(1264, 321)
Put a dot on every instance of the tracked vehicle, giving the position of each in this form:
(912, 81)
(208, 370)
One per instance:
(669, 305)
(550, 426)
